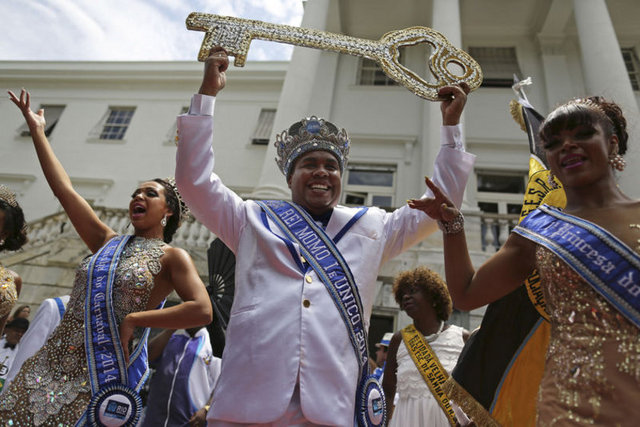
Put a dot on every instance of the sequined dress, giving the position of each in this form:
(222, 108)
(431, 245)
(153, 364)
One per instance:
(592, 372)
(8, 292)
(416, 406)
(52, 388)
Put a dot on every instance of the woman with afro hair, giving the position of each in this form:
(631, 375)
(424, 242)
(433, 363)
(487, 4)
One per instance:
(423, 295)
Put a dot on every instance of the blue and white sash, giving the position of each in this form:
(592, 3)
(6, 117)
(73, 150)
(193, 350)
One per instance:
(600, 258)
(115, 400)
(326, 260)
(61, 307)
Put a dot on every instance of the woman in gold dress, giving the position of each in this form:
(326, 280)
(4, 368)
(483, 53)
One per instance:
(69, 380)
(587, 257)
(13, 234)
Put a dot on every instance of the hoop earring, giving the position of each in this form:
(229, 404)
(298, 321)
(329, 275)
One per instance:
(617, 162)
(551, 179)
(163, 221)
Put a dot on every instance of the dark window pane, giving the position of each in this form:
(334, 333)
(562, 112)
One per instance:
(488, 207)
(374, 178)
(501, 183)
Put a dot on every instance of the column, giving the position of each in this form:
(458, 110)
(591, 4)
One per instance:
(294, 101)
(446, 20)
(606, 75)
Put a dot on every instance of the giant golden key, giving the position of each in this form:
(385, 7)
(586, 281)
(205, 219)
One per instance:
(448, 64)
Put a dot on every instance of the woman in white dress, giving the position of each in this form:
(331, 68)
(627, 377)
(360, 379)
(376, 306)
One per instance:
(423, 295)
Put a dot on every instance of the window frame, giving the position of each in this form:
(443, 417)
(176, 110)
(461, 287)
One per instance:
(51, 119)
(632, 65)
(368, 192)
(99, 130)
(491, 59)
(264, 126)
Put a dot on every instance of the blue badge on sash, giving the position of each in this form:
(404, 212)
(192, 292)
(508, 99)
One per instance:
(327, 261)
(600, 258)
(114, 401)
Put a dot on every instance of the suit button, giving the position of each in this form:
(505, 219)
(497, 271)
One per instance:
(306, 303)
(308, 279)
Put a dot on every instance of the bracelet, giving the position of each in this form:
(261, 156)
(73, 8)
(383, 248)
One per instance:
(454, 226)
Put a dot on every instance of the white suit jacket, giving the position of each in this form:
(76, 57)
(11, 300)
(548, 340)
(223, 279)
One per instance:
(45, 321)
(284, 329)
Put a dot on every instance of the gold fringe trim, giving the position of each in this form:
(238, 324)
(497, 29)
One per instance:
(516, 112)
(469, 405)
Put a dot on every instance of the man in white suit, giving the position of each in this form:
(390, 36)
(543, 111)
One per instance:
(289, 359)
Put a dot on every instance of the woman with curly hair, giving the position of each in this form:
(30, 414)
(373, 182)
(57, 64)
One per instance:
(588, 259)
(13, 234)
(423, 295)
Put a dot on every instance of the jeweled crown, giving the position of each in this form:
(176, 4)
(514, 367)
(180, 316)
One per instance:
(8, 196)
(311, 134)
(184, 209)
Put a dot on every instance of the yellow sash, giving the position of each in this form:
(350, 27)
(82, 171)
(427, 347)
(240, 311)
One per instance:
(429, 367)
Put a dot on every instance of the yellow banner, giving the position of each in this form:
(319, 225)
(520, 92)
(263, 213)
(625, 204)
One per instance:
(429, 367)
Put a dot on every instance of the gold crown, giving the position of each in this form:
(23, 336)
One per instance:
(590, 103)
(311, 134)
(8, 196)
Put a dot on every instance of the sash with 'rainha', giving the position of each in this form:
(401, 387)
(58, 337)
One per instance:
(429, 367)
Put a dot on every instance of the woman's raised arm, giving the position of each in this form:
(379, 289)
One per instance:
(93, 232)
(498, 276)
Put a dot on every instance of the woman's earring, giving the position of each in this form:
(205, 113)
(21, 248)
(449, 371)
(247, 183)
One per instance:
(617, 162)
(551, 179)
(163, 221)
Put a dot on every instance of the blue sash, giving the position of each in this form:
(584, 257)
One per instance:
(326, 260)
(600, 258)
(61, 307)
(114, 401)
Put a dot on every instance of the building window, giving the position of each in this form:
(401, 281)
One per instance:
(262, 132)
(499, 194)
(370, 73)
(115, 123)
(172, 134)
(498, 64)
(370, 185)
(52, 114)
(633, 66)
(501, 183)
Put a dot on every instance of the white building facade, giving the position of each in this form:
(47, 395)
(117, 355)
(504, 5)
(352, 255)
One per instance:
(113, 124)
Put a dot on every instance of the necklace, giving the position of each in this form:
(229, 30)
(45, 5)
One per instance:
(434, 336)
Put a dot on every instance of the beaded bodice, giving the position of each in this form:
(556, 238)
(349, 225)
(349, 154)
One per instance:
(593, 349)
(54, 383)
(8, 292)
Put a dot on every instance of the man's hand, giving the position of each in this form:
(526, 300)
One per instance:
(214, 78)
(453, 99)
